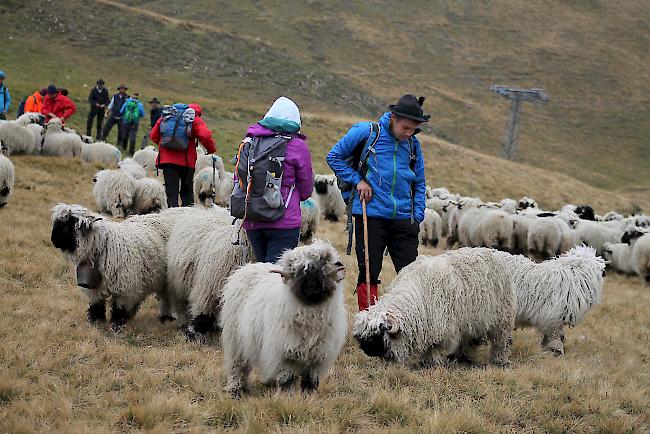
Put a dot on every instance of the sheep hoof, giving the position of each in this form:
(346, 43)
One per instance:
(164, 318)
(235, 389)
(117, 328)
(96, 313)
(193, 336)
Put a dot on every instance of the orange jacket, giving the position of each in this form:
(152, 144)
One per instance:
(34, 103)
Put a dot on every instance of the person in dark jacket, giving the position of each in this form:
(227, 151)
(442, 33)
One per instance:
(98, 100)
(154, 114)
(113, 113)
(178, 166)
(392, 185)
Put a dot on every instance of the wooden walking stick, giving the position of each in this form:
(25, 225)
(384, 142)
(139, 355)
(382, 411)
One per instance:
(365, 249)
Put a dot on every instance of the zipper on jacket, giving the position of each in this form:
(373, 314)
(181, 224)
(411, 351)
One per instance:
(392, 187)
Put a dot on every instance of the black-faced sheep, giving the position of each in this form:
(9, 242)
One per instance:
(7, 178)
(328, 196)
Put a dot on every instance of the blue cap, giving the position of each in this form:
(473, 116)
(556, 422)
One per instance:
(2, 74)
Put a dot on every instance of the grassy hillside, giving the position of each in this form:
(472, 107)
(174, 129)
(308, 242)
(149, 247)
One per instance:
(61, 374)
(351, 59)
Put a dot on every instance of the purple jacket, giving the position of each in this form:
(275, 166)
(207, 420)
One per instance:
(297, 170)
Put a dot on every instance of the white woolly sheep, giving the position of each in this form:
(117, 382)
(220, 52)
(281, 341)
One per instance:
(101, 153)
(440, 306)
(7, 179)
(149, 196)
(200, 255)
(519, 241)
(146, 158)
(526, 202)
(617, 256)
(205, 161)
(121, 260)
(430, 228)
(225, 189)
(207, 187)
(548, 237)
(59, 143)
(495, 230)
(328, 196)
(508, 205)
(309, 220)
(455, 215)
(436, 204)
(468, 227)
(639, 240)
(17, 136)
(640, 220)
(289, 325)
(133, 168)
(114, 191)
(440, 193)
(596, 234)
(612, 215)
(556, 292)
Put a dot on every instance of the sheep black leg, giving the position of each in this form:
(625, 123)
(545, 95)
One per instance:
(97, 312)
(309, 382)
(200, 326)
(165, 317)
(285, 381)
(332, 217)
(119, 316)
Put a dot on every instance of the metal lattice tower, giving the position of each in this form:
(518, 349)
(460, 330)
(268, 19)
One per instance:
(517, 96)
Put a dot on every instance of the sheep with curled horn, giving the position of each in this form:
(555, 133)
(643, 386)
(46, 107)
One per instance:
(286, 319)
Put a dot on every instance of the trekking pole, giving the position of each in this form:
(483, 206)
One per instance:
(365, 249)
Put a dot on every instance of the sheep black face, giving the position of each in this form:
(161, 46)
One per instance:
(312, 272)
(321, 186)
(586, 212)
(377, 335)
(631, 234)
(63, 233)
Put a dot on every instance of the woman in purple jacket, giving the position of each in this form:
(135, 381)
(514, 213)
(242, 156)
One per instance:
(270, 239)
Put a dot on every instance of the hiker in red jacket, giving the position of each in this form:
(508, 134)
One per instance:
(178, 166)
(57, 105)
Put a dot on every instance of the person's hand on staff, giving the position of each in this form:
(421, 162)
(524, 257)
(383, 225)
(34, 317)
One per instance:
(365, 191)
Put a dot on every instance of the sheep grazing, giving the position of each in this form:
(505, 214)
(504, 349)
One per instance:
(17, 137)
(200, 256)
(548, 237)
(207, 187)
(639, 241)
(146, 158)
(132, 168)
(149, 196)
(59, 143)
(101, 153)
(310, 219)
(329, 198)
(210, 161)
(430, 228)
(596, 234)
(288, 319)
(114, 191)
(495, 230)
(440, 306)
(617, 256)
(556, 293)
(519, 241)
(124, 261)
(7, 178)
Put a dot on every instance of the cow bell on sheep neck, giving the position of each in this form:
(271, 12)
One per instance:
(88, 277)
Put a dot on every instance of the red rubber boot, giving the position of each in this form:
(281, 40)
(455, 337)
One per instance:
(362, 296)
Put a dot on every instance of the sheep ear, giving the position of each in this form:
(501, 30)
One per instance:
(392, 327)
(282, 273)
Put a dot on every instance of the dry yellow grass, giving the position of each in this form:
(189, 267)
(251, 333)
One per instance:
(61, 374)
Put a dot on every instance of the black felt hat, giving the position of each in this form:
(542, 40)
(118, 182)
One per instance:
(410, 107)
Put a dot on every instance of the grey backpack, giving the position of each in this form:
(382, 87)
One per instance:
(256, 196)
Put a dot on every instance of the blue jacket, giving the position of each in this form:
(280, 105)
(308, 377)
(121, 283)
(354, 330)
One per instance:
(4, 104)
(389, 173)
(140, 108)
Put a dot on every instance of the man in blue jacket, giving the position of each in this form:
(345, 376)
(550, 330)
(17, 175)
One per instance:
(391, 182)
(5, 97)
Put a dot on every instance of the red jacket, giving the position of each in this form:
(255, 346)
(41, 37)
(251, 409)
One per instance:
(185, 158)
(59, 106)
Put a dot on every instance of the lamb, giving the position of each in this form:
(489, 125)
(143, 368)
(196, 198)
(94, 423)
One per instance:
(59, 143)
(124, 261)
(207, 187)
(329, 198)
(206, 161)
(310, 219)
(617, 256)
(100, 152)
(7, 178)
(149, 196)
(132, 168)
(439, 306)
(114, 191)
(288, 320)
(200, 256)
(557, 292)
(17, 137)
(596, 234)
(146, 158)
(430, 228)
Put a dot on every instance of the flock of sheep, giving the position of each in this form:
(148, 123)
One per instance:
(289, 319)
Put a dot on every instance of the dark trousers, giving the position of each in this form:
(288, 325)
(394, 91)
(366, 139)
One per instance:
(129, 135)
(269, 244)
(112, 120)
(99, 114)
(178, 179)
(399, 236)
(3, 116)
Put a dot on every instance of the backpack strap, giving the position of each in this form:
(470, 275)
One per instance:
(369, 144)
